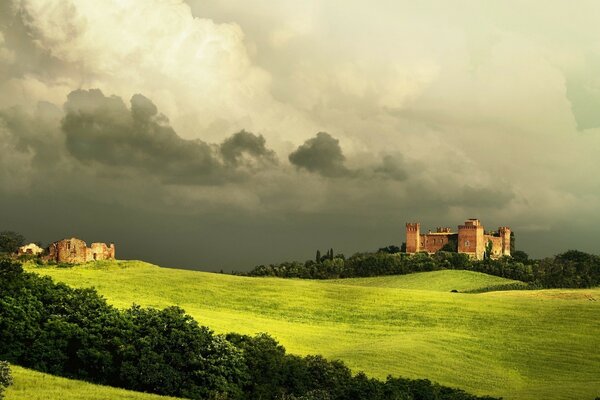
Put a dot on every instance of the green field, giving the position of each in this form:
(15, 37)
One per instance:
(33, 385)
(439, 281)
(515, 344)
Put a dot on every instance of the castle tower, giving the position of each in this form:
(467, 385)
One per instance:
(504, 232)
(413, 237)
(470, 238)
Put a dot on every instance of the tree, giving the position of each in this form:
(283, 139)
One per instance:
(5, 377)
(520, 256)
(512, 242)
(318, 257)
(451, 246)
(488, 250)
(11, 241)
(391, 249)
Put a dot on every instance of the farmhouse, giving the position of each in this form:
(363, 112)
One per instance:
(470, 239)
(75, 250)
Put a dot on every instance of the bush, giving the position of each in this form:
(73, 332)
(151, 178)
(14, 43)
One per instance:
(5, 377)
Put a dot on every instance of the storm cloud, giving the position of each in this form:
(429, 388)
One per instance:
(169, 126)
(102, 129)
(321, 154)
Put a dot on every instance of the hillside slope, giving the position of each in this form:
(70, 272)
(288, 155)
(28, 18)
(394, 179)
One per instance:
(33, 385)
(439, 281)
(522, 344)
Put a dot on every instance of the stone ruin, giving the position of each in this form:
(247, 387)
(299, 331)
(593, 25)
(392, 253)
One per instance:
(30, 249)
(75, 251)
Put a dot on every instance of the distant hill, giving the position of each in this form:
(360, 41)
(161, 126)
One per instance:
(516, 344)
(439, 281)
(33, 385)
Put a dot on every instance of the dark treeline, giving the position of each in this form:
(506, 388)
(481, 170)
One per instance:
(51, 327)
(572, 269)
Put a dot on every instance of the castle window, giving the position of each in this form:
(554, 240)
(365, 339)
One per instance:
(466, 243)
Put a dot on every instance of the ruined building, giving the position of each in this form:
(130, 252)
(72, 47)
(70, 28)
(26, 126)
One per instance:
(470, 238)
(30, 249)
(75, 250)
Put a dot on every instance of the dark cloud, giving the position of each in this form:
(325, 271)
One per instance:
(321, 154)
(392, 167)
(245, 147)
(101, 129)
(35, 132)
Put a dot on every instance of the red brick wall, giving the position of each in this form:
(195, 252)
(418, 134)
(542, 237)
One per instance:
(432, 242)
(413, 237)
(470, 240)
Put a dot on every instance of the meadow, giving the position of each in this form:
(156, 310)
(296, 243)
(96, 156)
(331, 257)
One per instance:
(516, 344)
(33, 385)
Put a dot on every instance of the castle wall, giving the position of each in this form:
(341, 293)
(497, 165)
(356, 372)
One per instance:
(433, 242)
(504, 232)
(496, 245)
(470, 239)
(413, 237)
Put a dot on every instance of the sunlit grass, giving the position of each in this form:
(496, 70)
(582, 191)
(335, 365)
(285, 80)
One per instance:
(33, 385)
(517, 344)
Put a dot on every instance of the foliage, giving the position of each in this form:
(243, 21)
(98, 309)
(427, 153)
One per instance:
(391, 249)
(10, 241)
(451, 246)
(474, 342)
(53, 328)
(573, 269)
(6, 378)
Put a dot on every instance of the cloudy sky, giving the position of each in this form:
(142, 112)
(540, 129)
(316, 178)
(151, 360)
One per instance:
(217, 134)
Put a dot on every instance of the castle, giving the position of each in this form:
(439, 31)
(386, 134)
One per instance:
(75, 251)
(471, 239)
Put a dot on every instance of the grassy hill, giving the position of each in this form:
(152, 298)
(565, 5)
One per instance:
(33, 385)
(519, 344)
(439, 281)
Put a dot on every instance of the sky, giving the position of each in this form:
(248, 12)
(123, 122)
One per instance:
(225, 134)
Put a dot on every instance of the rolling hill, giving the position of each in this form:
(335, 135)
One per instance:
(439, 281)
(515, 344)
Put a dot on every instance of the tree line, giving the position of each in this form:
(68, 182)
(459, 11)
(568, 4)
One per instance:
(53, 328)
(571, 269)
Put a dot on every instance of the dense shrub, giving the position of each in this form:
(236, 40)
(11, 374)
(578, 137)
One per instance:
(5, 377)
(573, 269)
(53, 328)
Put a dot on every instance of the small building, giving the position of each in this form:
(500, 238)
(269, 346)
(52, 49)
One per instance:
(75, 251)
(30, 249)
(470, 239)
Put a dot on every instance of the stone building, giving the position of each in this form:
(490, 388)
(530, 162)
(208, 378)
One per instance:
(471, 239)
(75, 250)
(30, 249)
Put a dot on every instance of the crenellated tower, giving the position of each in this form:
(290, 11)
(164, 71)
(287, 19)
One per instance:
(504, 232)
(413, 237)
(471, 238)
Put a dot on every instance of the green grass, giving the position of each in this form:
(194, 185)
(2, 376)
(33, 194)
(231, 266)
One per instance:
(439, 281)
(515, 344)
(33, 385)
